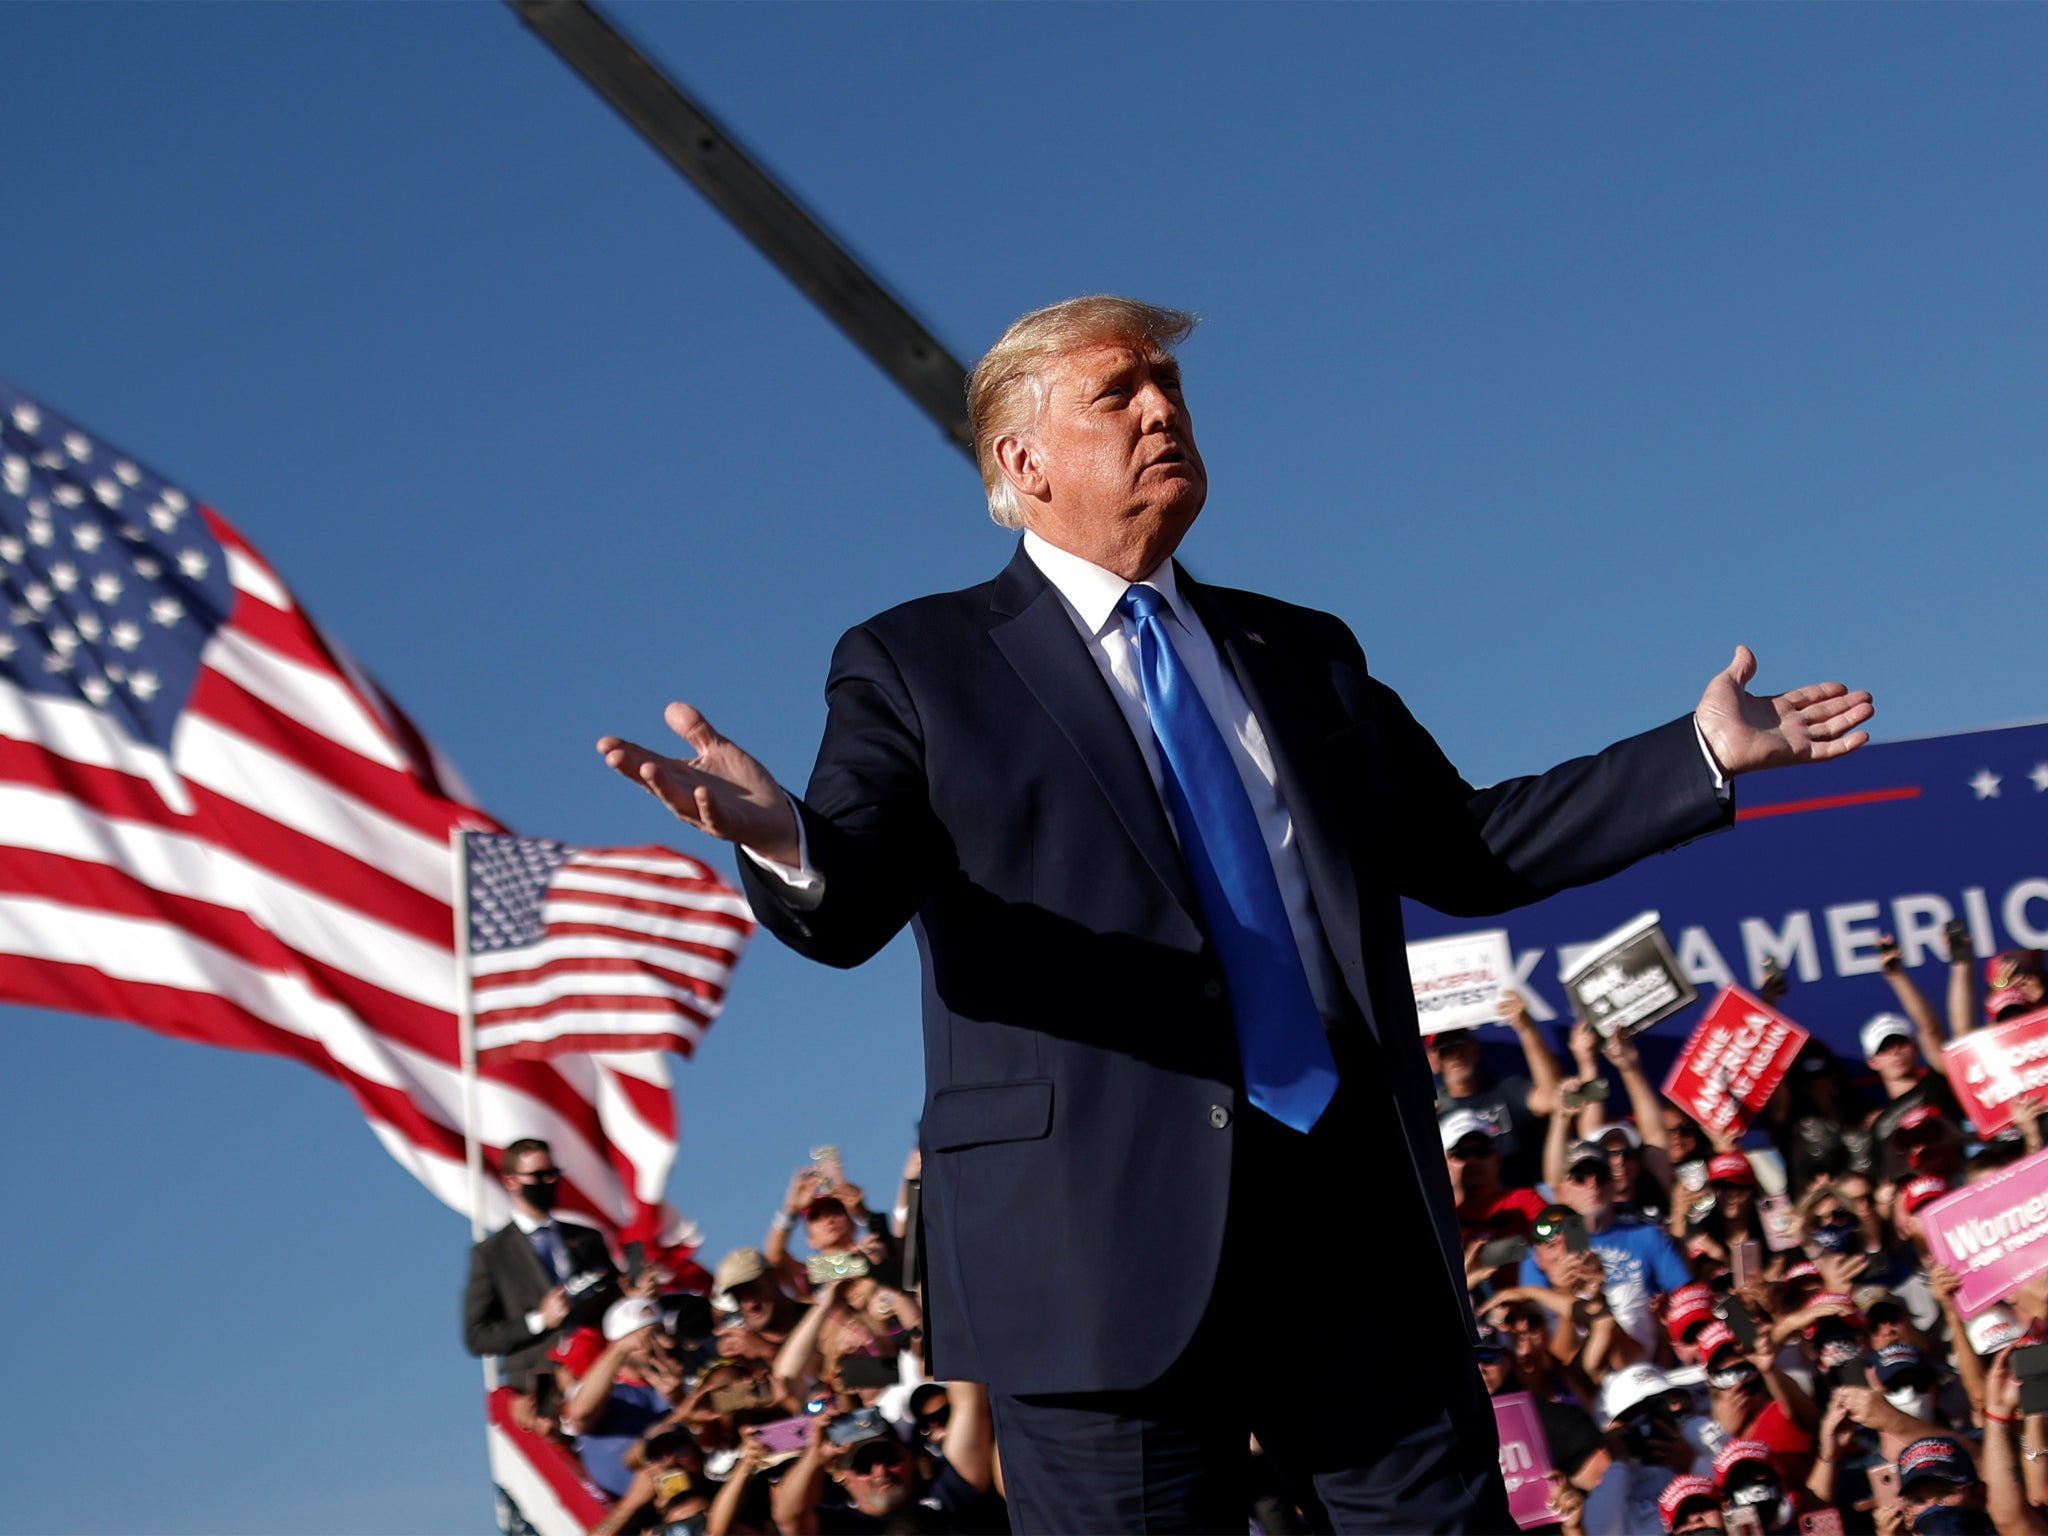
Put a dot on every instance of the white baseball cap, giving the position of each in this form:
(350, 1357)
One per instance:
(1994, 1328)
(627, 1314)
(1631, 1385)
(1886, 1026)
(1460, 1123)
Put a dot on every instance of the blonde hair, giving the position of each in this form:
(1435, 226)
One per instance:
(1004, 393)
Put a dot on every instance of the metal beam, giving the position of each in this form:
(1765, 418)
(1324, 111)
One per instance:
(695, 143)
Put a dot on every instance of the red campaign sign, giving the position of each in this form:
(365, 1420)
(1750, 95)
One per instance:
(1734, 1061)
(1989, 1068)
(1525, 1465)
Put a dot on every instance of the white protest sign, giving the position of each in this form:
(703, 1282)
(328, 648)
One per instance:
(1459, 979)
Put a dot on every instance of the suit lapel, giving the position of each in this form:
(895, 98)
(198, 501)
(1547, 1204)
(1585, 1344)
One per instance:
(1039, 640)
(1273, 676)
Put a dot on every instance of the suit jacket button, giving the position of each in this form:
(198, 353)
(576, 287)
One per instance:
(1212, 989)
(1218, 1116)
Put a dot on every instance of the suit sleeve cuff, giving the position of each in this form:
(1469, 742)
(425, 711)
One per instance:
(535, 1323)
(803, 888)
(1713, 767)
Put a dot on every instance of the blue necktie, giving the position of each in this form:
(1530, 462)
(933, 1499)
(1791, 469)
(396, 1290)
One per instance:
(1288, 1069)
(547, 1242)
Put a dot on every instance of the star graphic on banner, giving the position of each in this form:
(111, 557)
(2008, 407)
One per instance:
(1986, 784)
(2040, 778)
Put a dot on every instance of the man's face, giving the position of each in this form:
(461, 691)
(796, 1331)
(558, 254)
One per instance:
(876, 1475)
(1895, 1058)
(1454, 1057)
(532, 1179)
(1474, 1166)
(1702, 1516)
(1116, 449)
(1585, 1188)
(756, 1300)
(1497, 1371)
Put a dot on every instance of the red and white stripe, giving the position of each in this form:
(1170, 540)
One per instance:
(637, 951)
(281, 881)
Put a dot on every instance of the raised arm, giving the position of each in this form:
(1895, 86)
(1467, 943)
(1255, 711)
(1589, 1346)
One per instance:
(1914, 1003)
(1644, 1104)
(1962, 985)
(1543, 1071)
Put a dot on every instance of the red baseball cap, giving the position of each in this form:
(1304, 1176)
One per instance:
(1714, 1338)
(1681, 1491)
(1805, 1269)
(1686, 1306)
(1849, 1318)
(1730, 1168)
(577, 1350)
(1736, 1452)
(1917, 1192)
(1917, 1116)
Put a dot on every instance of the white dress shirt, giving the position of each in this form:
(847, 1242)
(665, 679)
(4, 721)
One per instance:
(1090, 596)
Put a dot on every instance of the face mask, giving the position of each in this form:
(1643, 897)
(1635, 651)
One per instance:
(1833, 1238)
(541, 1196)
(1913, 1402)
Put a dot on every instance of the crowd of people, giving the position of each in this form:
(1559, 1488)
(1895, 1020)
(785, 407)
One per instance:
(1717, 1331)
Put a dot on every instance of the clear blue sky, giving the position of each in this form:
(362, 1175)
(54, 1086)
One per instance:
(1555, 349)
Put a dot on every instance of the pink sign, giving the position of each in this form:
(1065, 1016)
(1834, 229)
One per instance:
(1993, 1233)
(1734, 1061)
(1989, 1068)
(1524, 1459)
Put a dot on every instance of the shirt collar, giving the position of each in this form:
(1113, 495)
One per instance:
(527, 1224)
(1095, 592)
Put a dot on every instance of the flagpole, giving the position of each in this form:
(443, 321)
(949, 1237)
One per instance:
(465, 1015)
(472, 1144)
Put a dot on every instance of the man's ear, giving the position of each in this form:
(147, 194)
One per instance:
(1018, 462)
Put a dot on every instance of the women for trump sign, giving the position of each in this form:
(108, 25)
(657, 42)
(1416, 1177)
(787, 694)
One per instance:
(1993, 1233)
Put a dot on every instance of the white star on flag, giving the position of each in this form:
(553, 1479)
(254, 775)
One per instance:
(1986, 784)
(2040, 778)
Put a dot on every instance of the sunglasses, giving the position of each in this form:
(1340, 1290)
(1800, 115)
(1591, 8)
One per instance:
(1465, 1154)
(870, 1459)
(544, 1175)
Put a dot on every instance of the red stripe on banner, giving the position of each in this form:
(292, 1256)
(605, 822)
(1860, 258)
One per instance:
(210, 1020)
(325, 869)
(653, 908)
(104, 789)
(596, 965)
(588, 1002)
(699, 885)
(1827, 802)
(293, 855)
(636, 936)
(552, 1462)
(557, 1045)
(651, 1102)
(390, 790)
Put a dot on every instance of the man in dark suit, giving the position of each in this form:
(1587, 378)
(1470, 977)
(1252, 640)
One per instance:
(1152, 836)
(516, 1300)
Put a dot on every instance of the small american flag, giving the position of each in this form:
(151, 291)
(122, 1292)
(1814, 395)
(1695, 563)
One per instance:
(214, 824)
(596, 949)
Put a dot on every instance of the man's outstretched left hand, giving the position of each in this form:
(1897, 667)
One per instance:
(1746, 732)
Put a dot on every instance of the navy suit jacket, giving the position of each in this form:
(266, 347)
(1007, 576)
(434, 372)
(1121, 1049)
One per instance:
(977, 780)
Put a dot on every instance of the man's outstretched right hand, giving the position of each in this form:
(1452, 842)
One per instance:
(722, 790)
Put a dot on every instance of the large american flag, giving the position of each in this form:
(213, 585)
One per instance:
(212, 823)
(596, 949)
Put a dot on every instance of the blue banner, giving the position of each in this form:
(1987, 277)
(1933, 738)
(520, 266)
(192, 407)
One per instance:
(1898, 838)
